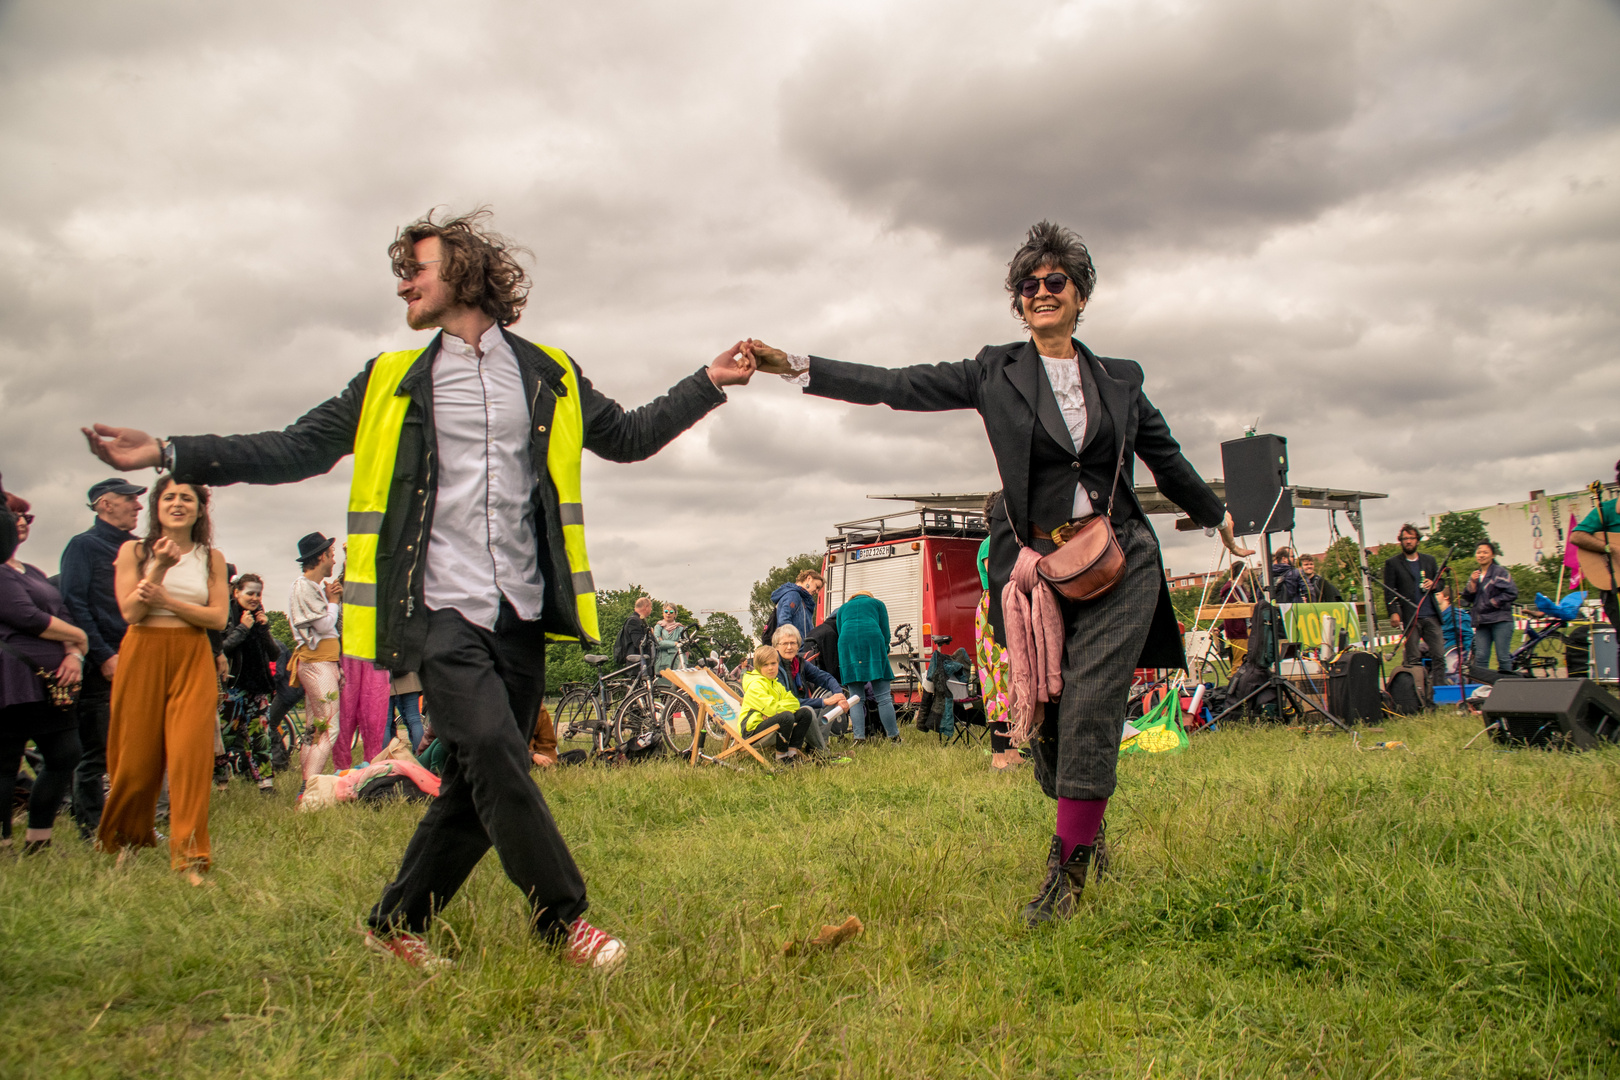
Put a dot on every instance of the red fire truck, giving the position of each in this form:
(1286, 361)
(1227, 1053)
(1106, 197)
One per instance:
(922, 563)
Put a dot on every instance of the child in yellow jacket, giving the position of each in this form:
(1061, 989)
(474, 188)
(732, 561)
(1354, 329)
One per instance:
(766, 701)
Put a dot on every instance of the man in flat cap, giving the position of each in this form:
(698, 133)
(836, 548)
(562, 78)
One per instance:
(87, 589)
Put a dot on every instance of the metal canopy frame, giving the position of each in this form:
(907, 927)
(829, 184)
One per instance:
(1310, 498)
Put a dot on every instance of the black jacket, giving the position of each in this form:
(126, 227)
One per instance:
(87, 588)
(632, 640)
(1401, 589)
(1319, 590)
(325, 434)
(248, 652)
(1287, 586)
(1037, 458)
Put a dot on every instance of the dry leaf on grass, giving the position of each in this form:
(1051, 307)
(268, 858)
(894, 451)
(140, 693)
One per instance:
(830, 937)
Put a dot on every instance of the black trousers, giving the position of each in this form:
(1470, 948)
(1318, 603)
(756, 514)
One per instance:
(283, 700)
(1428, 631)
(483, 690)
(791, 727)
(94, 709)
(58, 745)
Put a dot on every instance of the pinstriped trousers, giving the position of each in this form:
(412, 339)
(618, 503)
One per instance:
(1077, 748)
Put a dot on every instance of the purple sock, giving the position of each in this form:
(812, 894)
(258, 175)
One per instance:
(1077, 822)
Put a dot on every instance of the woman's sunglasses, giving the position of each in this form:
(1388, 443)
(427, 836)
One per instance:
(1055, 284)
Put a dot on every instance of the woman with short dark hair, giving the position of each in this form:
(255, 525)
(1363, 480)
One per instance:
(35, 636)
(1065, 426)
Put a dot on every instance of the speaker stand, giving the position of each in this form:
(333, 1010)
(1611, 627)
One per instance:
(1269, 637)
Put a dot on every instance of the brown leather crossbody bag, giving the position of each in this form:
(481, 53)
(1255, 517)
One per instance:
(1089, 561)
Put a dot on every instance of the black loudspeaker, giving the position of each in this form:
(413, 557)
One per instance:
(1256, 478)
(1570, 713)
(1353, 687)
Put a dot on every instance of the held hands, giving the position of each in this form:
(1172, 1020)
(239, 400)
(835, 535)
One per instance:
(334, 592)
(770, 361)
(1231, 542)
(733, 367)
(123, 448)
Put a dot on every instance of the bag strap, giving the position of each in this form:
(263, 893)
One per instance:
(1119, 463)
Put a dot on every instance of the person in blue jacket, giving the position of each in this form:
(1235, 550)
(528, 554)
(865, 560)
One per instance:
(796, 603)
(1455, 623)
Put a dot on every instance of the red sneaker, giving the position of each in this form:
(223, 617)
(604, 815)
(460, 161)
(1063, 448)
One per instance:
(411, 948)
(589, 947)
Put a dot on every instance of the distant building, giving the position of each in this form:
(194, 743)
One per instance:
(1532, 530)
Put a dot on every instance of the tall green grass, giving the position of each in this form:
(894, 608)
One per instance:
(1283, 905)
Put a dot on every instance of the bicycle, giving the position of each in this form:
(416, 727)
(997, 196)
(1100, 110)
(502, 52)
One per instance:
(583, 708)
(666, 710)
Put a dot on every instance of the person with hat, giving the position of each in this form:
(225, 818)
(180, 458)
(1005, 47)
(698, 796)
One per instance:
(87, 591)
(467, 551)
(312, 612)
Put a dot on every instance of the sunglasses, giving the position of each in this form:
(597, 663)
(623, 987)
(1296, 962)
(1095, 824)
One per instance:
(1055, 284)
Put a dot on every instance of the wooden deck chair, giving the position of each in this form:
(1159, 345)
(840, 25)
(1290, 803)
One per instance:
(715, 699)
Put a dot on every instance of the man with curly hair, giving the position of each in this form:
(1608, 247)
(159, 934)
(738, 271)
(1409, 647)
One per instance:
(466, 551)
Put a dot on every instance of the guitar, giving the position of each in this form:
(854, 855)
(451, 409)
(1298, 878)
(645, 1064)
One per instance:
(1597, 569)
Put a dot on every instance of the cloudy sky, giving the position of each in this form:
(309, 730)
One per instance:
(1390, 232)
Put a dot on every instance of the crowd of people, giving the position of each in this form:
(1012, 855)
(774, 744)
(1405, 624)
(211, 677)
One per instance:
(117, 669)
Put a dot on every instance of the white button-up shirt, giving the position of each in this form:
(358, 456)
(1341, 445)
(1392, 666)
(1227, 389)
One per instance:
(1064, 375)
(483, 545)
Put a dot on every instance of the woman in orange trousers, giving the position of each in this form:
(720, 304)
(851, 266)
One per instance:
(171, 589)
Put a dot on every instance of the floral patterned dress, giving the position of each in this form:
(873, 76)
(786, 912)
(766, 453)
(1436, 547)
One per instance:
(991, 657)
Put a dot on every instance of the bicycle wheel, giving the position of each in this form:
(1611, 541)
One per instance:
(579, 722)
(678, 718)
(662, 711)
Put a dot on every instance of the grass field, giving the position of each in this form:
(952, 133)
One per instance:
(1284, 906)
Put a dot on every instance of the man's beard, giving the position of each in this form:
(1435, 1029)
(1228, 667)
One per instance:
(425, 316)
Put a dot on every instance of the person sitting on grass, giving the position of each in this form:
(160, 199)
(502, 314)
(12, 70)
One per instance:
(766, 701)
(811, 686)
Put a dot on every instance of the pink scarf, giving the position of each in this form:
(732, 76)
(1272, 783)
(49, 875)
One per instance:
(1029, 612)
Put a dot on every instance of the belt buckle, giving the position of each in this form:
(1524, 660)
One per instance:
(1065, 532)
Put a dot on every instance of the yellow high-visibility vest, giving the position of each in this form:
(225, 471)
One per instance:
(376, 444)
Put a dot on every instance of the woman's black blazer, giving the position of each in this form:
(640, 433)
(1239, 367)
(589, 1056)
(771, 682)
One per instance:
(1038, 461)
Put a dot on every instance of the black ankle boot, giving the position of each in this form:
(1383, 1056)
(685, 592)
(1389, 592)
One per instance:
(1064, 881)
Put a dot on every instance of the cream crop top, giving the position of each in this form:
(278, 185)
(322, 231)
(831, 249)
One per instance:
(187, 580)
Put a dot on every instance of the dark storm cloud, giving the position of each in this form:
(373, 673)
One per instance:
(1187, 124)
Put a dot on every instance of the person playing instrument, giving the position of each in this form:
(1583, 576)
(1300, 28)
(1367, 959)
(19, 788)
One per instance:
(1317, 589)
(1602, 519)
(1409, 582)
(1065, 426)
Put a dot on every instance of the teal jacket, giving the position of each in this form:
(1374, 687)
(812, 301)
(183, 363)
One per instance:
(863, 641)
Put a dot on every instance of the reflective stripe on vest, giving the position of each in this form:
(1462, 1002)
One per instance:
(376, 444)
